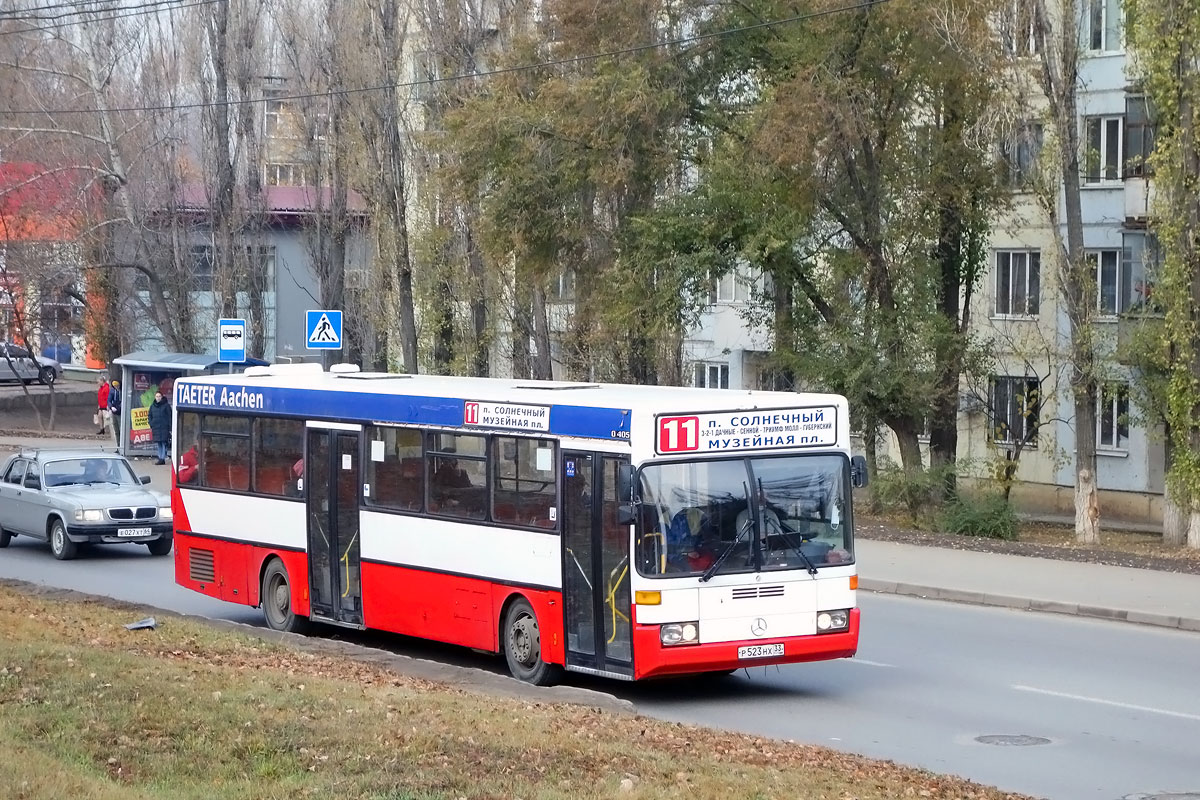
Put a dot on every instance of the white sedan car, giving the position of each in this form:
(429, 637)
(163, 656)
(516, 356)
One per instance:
(18, 364)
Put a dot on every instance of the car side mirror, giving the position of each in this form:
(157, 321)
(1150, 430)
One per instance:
(858, 472)
(33, 482)
(143, 479)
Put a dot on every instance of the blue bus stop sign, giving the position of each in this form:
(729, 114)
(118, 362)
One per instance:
(231, 341)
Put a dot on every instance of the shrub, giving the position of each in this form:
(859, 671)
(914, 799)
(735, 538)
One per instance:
(989, 516)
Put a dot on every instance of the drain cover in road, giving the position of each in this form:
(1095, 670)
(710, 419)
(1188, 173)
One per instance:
(1012, 740)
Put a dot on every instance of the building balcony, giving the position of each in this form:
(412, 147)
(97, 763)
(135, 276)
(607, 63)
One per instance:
(1139, 335)
(1139, 201)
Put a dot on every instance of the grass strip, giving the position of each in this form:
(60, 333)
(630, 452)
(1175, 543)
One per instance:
(89, 709)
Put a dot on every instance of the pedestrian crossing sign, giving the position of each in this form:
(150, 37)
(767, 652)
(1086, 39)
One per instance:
(323, 329)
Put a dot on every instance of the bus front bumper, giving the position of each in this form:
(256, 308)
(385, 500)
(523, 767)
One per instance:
(654, 660)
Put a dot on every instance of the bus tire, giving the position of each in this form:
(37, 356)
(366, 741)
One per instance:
(276, 600)
(521, 640)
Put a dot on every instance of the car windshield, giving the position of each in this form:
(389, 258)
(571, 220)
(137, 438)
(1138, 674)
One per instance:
(84, 471)
(744, 515)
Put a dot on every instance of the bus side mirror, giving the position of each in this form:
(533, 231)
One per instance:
(858, 472)
(625, 514)
(625, 482)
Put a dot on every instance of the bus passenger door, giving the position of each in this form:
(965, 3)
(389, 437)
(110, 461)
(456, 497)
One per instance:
(333, 479)
(596, 598)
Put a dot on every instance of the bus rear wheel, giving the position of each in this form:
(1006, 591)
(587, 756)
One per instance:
(522, 643)
(276, 600)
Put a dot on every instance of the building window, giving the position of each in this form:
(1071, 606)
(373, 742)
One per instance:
(563, 287)
(1112, 417)
(276, 112)
(1102, 161)
(1015, 408)
(711, 376)
(1112, 281)
(1139, 136)
(732, 287)
(1017, 28)
(285, 175)
(1103, 25)
(1142, 259)
(1018, 282)
(202, 268)
(1021, 151)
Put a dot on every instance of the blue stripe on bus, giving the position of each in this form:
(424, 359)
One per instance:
(584, 421)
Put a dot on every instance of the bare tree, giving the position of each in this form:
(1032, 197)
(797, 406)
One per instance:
(1055, 28)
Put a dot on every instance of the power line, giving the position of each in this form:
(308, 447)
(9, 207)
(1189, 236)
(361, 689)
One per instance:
(52, 7)
(78, 9)
(166, 5)
(466, 76)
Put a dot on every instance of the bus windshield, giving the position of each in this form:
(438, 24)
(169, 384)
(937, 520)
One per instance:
(744, 515)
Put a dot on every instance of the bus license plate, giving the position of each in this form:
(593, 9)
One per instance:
(133, 532)
(761, 650)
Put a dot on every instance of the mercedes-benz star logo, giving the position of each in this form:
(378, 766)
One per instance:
(759, 626)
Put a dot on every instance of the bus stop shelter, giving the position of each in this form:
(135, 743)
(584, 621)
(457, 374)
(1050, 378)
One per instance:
(145, 372)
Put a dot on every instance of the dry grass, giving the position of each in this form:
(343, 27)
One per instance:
(88, 709)
(1142, 544)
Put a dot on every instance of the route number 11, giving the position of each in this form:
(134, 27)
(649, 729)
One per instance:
(678, 434)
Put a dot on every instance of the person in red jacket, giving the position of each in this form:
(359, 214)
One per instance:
(103, 416)
(189, 465)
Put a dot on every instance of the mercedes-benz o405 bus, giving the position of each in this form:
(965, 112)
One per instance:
(623, 531)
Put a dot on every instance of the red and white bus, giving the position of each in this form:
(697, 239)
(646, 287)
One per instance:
(623, 531)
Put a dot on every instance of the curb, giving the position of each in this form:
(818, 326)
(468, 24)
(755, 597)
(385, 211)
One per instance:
(1030, 604)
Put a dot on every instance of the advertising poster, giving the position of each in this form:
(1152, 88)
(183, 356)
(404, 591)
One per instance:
(145, 384)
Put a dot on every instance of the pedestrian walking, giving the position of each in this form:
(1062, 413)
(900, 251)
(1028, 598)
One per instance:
(160, 425)
(114, 408)
(103, 417)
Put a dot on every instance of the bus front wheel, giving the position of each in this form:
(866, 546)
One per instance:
(277, 600)
(522, 643)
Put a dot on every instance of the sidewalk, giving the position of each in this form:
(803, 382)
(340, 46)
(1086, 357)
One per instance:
(1148, 597)
(1038, 584)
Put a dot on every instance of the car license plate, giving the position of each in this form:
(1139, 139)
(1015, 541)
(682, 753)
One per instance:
(133, 531)
(761, 650)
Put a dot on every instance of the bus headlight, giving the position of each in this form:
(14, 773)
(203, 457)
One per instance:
(679, 633)
(164, 513)
(88, 515)
(828, 621)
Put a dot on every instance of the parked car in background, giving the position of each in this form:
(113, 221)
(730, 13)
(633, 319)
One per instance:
(77, 496)
(18, 364)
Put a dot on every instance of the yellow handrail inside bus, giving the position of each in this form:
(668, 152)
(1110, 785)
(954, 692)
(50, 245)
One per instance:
(612, 597)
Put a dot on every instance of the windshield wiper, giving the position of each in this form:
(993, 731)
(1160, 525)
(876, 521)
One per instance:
(712, 569)
(812, 569)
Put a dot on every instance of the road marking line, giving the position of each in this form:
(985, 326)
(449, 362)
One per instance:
(1114, 703)
(869, 663)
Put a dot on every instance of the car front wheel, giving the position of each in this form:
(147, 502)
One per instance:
(62, 547)
(5, 537)
(160, 547)
(47, 375)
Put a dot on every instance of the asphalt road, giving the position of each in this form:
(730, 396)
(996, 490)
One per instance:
(1116, 704)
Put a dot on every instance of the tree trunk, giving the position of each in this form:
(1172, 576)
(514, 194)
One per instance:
(543, 365)
(480, 361)
(1175, 521)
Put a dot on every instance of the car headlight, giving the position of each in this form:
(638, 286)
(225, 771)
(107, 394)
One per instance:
(164, 512)
(88, 515)
(679, 633)
(828, 621)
